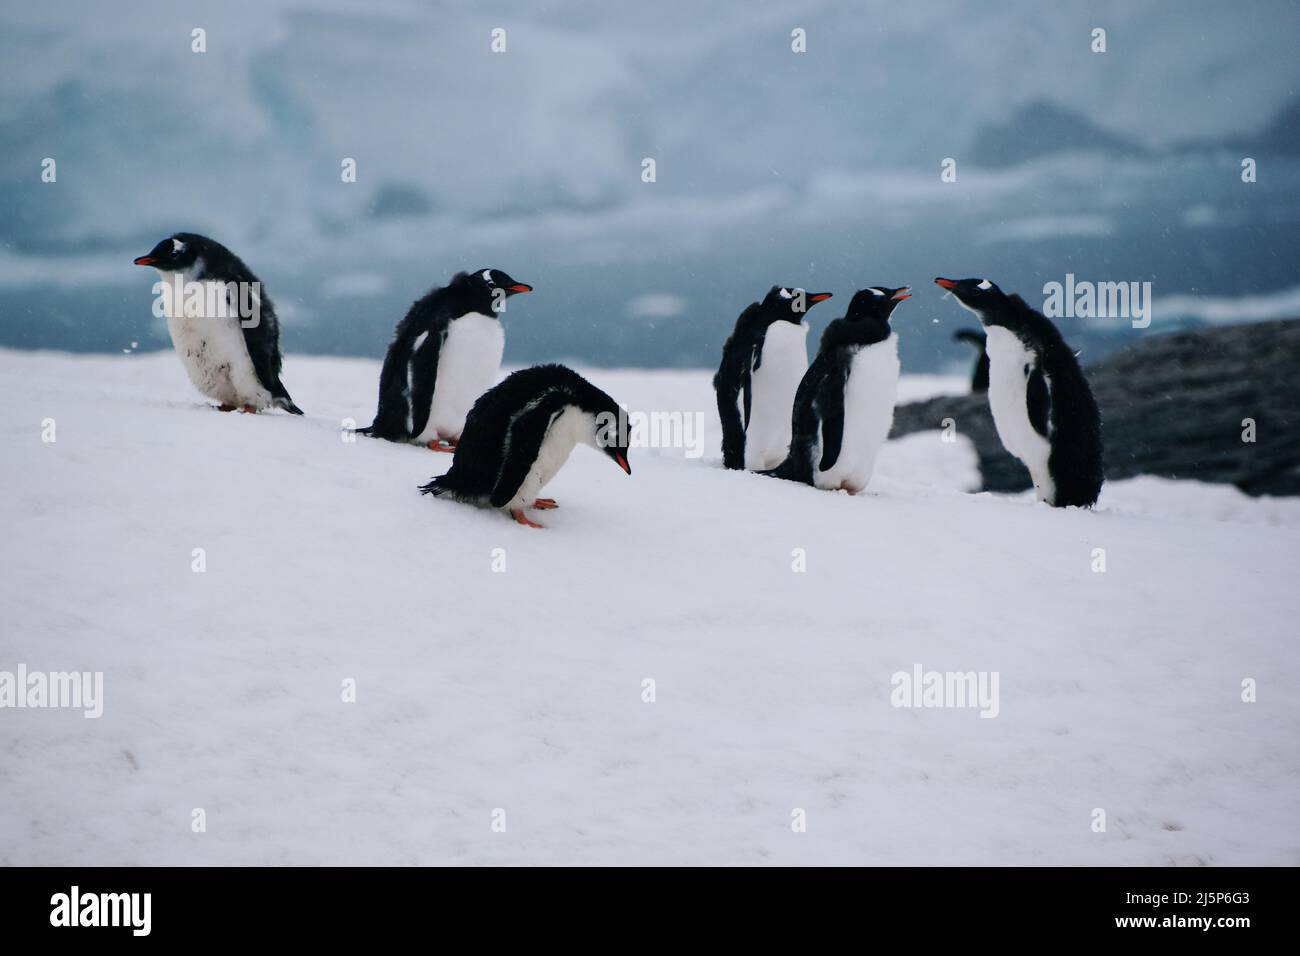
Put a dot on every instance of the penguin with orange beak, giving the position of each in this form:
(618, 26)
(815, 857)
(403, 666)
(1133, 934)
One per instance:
(762, 364)
(844, 408)
(444, 355)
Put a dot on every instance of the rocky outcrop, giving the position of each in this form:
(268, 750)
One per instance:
(1174, 406)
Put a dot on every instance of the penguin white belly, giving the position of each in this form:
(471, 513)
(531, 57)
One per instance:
(1008, 385)
(569, 428)
(216, 358)
(783, 361)
(467, 367)
(869, 398)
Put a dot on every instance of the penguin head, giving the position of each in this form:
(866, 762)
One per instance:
(977, 295)
(176, 253)
(876, 303)
(610, 434)
(487, 289)
(790, 304)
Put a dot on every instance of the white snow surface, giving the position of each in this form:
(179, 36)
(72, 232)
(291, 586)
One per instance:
(521, 690)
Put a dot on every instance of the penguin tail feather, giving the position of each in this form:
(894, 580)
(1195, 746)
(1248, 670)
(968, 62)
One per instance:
(287, 404)
(435, 487)
(787, 471)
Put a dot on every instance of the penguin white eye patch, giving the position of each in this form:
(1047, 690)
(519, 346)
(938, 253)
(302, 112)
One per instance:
(487, 276)
(177, 246)
(874, 291)
(785, 294)
(985, 284)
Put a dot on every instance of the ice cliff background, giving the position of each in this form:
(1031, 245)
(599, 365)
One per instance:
(819, 169)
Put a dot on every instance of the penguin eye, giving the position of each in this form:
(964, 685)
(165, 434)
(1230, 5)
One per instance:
(487, 276)
(177, 247)
(985, 284)
(786, 294)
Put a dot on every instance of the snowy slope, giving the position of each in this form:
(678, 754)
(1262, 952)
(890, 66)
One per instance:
(522, 690)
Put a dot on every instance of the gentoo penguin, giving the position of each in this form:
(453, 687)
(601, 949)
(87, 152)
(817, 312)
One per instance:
(762, 363)
(979, 379)
(845, 404)
(444, 355)
(233, 355)
(1042, 406)
(521, 431)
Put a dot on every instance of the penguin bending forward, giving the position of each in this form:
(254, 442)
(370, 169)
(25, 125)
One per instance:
(1041, 403)
(228, 338)
(762, 363)
(521, 431)
(445, 353)
(844, 408)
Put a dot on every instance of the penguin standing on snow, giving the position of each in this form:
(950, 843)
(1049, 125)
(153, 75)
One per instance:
(845, 404)
(762, 364)
(519, 434)
(444, 355)
(1041, 403)
(228, 338)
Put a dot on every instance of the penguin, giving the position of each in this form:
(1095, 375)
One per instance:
(844, 408)
(521, 431)
(1042, 407)
(762, 363)
(231, 350)
(445, 353)
(979, 380)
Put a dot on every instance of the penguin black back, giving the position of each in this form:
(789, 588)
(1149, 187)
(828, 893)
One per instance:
(481, 471)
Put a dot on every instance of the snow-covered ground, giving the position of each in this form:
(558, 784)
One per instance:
(521, 690)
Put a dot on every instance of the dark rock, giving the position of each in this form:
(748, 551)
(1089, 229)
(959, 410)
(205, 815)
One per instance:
(1171, 406)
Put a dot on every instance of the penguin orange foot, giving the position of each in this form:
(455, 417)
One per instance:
(438, 444)
(249, 410)
(521, 518)
(545, 504)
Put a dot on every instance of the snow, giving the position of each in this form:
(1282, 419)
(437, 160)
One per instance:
(522, 690)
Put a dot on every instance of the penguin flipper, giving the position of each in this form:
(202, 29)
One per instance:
(424, 375)
(1038, 401)
(731, 381)
(830, 405)
(390, 415)
(523, 442)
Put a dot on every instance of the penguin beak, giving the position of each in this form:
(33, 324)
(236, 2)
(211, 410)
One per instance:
(144, 261)
(948, 284)
(816, 297)
(622, 463)
(520, 287)
(904, 293)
